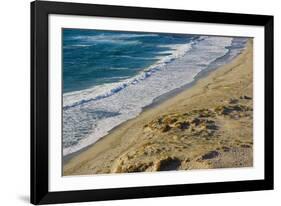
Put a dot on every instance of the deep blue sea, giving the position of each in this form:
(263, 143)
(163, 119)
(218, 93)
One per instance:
(93, 57)
(110, 76)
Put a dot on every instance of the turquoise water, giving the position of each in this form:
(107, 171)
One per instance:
(92, 57)
(110, 76)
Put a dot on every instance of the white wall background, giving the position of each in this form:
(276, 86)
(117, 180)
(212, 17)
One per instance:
(14, 101)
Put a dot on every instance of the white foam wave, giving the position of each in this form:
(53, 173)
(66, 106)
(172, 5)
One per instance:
(89, 40)
(102, 91)
(135, 57)
(87, 118)
(108, 36)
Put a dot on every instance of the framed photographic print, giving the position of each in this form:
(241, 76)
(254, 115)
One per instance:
(131, 102)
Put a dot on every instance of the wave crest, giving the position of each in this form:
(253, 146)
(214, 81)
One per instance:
(73, 99)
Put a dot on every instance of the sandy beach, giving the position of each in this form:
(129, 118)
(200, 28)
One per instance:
(206, 126)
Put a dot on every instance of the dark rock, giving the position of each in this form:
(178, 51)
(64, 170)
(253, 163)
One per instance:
(232, 108)
(226, 111)
(226, 149)
(245, 146)
(237, 108)
(183, 125)
(210, 155)
(196, 121)
(187, 160)
(160, 121)
(245, 97)
(209, 121)
(212, 126)
(168, 164)
(166, 128)
(233, 101)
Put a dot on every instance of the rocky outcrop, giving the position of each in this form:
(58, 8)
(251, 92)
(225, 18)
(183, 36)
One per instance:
(195, 122)
(188, 140)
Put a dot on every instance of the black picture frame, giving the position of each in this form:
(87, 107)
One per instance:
(39, 102)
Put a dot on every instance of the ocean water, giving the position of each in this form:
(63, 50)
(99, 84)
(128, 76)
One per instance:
(109, 76)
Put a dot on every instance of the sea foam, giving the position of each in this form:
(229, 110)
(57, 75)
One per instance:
(90, 114)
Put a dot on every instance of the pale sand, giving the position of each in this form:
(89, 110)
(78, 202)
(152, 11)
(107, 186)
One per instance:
(206, 126)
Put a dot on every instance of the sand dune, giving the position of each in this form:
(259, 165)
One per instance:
(206, 126)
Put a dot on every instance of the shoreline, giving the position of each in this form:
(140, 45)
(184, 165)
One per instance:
(161, 99)
(157, 101)
(77, 160)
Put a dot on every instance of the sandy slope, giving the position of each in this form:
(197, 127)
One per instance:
(206, 126)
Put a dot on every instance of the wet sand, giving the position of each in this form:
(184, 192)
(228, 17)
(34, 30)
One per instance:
(208, 125)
